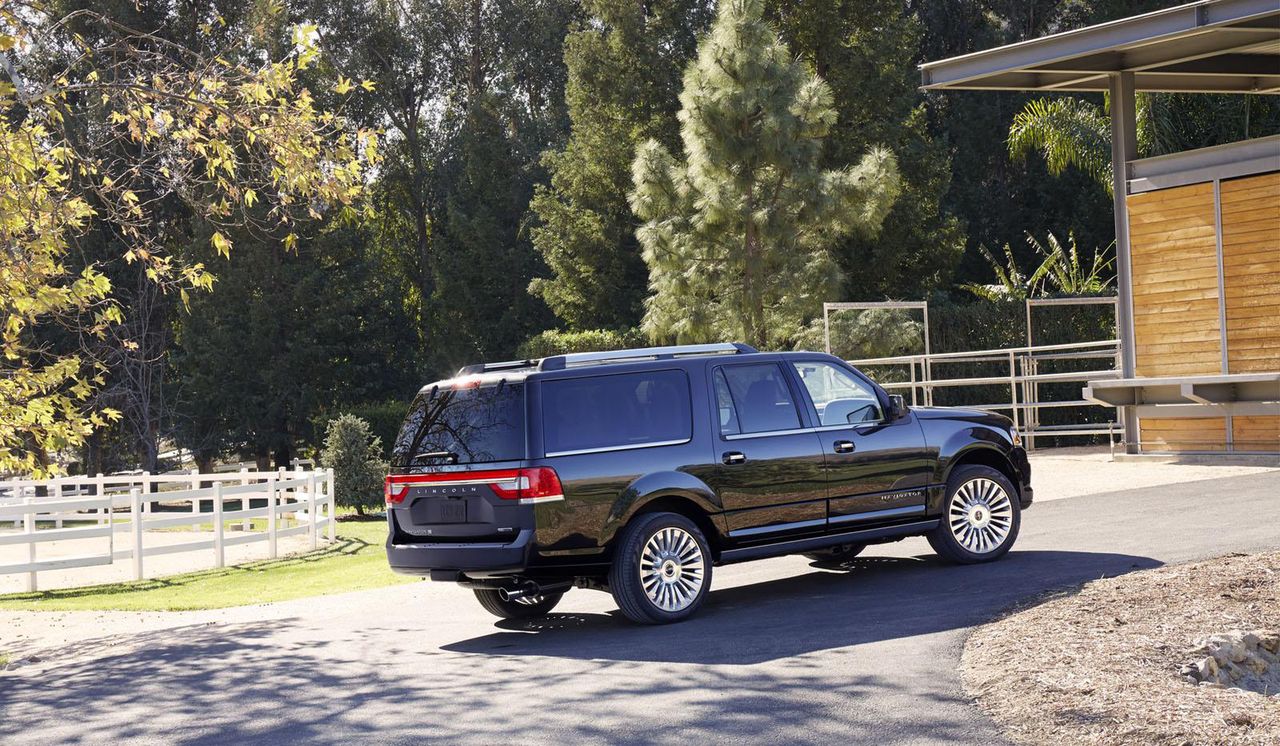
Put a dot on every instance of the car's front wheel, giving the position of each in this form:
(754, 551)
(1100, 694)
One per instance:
(524, 607)
(661, 570)
(981, 519)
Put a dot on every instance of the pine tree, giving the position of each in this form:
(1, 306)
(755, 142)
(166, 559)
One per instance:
(355, 455)
(736, 236)
(624, 70)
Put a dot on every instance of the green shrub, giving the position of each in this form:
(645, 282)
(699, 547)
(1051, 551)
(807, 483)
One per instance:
(384, 419)
(556, 342)
(355, 455)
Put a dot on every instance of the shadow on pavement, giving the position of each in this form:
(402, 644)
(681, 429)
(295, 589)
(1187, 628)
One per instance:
(874, 599)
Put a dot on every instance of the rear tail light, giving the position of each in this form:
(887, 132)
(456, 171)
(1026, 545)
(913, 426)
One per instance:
(535, 485)
(540, 484)
(395, 490)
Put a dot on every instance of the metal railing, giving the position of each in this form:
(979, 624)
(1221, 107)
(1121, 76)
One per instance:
(1020, 373)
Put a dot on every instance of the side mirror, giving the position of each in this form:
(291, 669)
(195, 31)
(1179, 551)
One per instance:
(897, 406)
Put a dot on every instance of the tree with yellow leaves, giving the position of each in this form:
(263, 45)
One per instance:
(236, 137)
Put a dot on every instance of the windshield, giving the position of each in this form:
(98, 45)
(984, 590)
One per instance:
(463, 426)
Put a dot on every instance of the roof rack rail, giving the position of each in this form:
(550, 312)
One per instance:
(560, 362)
(473, 369)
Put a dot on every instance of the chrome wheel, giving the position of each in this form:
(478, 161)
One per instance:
(981, 515)
(533, 600)
(671, 569)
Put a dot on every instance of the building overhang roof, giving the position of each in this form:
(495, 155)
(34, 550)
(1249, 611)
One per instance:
(1215, 46)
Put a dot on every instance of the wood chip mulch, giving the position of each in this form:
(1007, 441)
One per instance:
(1101, 666)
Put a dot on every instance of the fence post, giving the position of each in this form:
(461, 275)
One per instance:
(1013, 388)
(146, 487)
(246, 502)
(100, 488)
(135, 521)
(29, 528)
(311, 508)
(219, 555)
(195, 501)
(333, 514)
(271, 517)
(58, 484)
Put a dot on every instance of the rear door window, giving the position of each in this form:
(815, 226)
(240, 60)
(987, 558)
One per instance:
(616, 411)
(754, 399)
(463, 425)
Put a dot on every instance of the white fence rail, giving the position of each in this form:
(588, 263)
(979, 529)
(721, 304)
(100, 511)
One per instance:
(108, 507)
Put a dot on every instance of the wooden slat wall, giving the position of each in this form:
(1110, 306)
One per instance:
(1251, 284)
(1174, 253)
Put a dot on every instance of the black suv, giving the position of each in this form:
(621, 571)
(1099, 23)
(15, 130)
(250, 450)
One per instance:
(637, 471)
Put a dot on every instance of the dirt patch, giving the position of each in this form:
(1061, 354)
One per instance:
(1107, 665)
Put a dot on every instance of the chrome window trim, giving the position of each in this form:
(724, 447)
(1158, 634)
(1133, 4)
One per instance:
(628, 447)
(766, 433)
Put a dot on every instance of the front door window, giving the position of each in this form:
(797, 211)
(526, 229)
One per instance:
(840, 398)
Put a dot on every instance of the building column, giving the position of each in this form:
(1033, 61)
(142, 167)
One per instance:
(1124, 148)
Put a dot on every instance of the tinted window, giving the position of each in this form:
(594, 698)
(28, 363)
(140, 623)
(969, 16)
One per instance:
(757, 399)
(841, 399)
(616, 411)
(463, 425)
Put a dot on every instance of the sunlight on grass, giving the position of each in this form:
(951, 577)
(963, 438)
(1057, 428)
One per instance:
(356, 561)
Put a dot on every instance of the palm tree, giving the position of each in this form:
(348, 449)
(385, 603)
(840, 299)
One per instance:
(1071, 131)
(1060, 272)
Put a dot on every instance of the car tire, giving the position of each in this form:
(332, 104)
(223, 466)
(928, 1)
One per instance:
(661, 569)
(517, 608)
(980, 518)
(837, 553)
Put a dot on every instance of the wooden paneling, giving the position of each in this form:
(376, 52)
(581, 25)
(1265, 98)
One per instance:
(1184, 434)
(1173, 246)
(1174, 252)
(1251, 287)
(1251, 272)
(1256, 434)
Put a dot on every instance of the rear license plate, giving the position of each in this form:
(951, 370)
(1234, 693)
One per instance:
(453, 511)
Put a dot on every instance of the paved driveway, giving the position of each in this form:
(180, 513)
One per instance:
(781, 652)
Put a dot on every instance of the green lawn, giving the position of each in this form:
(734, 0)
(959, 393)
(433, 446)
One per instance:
(355, 562)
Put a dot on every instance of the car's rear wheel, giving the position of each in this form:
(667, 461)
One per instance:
(661, 570)
(524, 607)
(981, 519)
(836, 554)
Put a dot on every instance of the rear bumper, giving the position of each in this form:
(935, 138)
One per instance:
(469, 558)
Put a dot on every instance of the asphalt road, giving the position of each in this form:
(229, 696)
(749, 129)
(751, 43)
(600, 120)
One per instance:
(782, 653)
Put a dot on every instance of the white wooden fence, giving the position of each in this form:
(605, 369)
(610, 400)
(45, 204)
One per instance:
(103, 507)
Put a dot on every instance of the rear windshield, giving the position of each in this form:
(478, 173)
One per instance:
(616, 411)
(463, 426)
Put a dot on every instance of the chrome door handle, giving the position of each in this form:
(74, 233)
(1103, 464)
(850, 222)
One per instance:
(734, 457)
(844, 446)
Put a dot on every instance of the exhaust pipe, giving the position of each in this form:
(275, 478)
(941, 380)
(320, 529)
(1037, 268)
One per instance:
(529, 589)
(525, 590)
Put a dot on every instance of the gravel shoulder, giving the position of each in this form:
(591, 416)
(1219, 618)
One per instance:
(1104, 665)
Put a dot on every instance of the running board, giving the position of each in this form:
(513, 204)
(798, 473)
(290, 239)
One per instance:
(795, 546)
